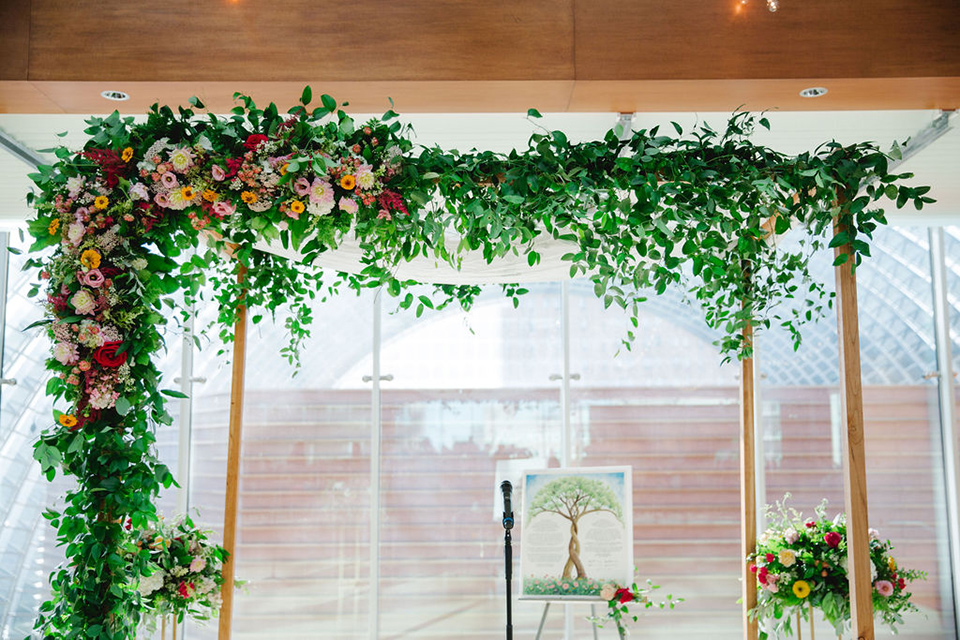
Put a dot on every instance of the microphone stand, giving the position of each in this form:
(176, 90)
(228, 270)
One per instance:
(508, 565)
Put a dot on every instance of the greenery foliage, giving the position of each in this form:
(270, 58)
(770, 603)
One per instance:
(147, 211)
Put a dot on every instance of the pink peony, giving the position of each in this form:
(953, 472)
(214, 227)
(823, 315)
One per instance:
(832, 538)
(321, 191)
(75, 232)
(884, 588)
(349, 205)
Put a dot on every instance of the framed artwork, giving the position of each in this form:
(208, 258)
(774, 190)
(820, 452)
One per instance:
(576, 532)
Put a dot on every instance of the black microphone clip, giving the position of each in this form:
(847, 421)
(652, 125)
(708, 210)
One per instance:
(506, 488)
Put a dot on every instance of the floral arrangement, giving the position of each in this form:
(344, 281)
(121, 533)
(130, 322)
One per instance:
(801, 565)
(118, 233)
(181, 570)
(620, 599)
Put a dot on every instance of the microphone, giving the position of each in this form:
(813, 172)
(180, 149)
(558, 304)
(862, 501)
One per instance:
(507, 489)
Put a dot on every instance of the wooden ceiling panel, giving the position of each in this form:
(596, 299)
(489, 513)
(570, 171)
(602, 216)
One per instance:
(668, 40)
(265, 40)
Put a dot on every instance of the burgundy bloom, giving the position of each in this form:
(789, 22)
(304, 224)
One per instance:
(233, 165)
(392, 201)
(832, 538)
(770, 557)
(253, 141)
(107, 355)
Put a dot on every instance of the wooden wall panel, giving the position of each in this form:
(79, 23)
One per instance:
(667, 40)
(258, 40)
(14, 39)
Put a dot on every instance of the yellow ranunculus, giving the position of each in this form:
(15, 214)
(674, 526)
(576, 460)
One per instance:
(801, 589)
(90, 259)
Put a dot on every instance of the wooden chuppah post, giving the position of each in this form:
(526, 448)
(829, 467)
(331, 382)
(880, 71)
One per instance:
(854, 463)
(233, 460)
(748, 480)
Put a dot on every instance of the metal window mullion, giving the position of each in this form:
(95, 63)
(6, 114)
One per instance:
(375, 437)
(951, 455)
(185, 443)
(4, 276)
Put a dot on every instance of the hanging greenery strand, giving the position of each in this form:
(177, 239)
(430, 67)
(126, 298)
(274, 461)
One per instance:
(146, 211)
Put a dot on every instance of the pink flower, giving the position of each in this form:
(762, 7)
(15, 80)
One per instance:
(65, 353)
(791, 536)
(301, 186)
(161, 199)
(884, 588)
(169, 180)
(321, 191)
(197, 565)
(223, 209)
(83, 302)
(349, 205)
(832, 538)
(92, 278)
(139, 191)
(608, 591)
(217, 172)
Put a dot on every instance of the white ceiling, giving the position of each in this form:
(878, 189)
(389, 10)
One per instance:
(937, 165)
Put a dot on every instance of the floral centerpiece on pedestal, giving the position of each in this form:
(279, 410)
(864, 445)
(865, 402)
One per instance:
(181, 570)
(801, 564)
(620, 599)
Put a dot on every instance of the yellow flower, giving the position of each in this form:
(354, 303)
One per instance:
(187, 193)
(90, 259)
(127, 154)
(54, 226)
(210, 195)
(296, 206)
(67, 420)
(891, 563)
(348, 182)
(283, 169)
(249, 197)
(101, 202)
(801, 589)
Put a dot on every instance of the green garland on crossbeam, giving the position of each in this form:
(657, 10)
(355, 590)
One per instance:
(146, 211)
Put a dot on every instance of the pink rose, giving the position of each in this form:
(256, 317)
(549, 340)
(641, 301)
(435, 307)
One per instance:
(93, 278)
(608, 591)
(884, 588)
(832, 538)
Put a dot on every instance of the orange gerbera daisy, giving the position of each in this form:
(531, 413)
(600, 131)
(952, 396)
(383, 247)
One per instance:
(90, 259)
(101, 202)
(296, 206)
(249, 197)
(348, 182)
(127, 154)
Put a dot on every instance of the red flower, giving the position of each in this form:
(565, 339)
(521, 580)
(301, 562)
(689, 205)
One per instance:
(392, 201)
(254, 140)
(770, 557)
(832, 538)
(624, 595)
(233, 165)
(762, 575)
(811, 524)
(902, 584)
(107, 355)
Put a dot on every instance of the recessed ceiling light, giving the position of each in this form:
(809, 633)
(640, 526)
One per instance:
(118, 96)
(813, 92)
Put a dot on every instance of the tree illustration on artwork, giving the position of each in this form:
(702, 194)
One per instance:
(573, 498)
